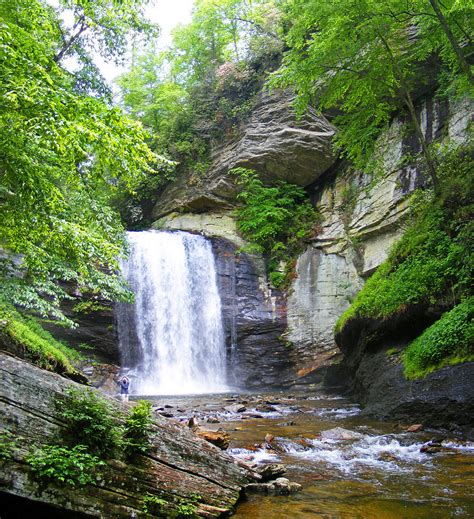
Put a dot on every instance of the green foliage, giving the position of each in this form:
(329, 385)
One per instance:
(8, 445)
(433, 261)
(73, 467)
(34, 342)
(197, 92)
(91, 420)
(434, 256)
(448, 340)
(154, 505)
(137, 428)
(275, 219)
(186, 510)
(64, 153)
(362, 58)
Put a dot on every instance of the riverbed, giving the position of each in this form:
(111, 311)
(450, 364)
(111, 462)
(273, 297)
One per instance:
(379, 473)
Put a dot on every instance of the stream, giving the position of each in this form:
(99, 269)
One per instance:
(379, 474)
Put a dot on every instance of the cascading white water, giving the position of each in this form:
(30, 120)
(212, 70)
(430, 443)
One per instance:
(172, 337)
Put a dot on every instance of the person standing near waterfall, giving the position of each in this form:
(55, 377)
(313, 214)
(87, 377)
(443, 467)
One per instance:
(124, 387)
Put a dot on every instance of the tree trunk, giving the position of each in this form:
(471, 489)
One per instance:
(452, 40)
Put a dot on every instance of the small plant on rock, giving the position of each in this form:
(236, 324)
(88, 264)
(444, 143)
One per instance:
(63, 466)
(138, 429)
(90, 421)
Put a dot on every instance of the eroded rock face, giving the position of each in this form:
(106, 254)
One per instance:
(254, 320)
(178, 464)
(272, 142)
(361, 220)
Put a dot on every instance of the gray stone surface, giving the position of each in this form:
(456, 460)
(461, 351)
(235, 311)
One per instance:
(178, 463)
(272, 141)
(254, 320)
(361, 220)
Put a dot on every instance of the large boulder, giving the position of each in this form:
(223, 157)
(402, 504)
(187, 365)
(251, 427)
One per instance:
(179, 465)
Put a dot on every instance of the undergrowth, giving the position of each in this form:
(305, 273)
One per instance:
(94, 431)
(432, 263)
(34, 343)
(73, 467)
(449, 340)
(275, 219)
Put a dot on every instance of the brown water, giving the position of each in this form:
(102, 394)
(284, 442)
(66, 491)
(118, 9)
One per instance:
(380, 475)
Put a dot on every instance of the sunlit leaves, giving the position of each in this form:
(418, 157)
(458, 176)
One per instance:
(63, 156)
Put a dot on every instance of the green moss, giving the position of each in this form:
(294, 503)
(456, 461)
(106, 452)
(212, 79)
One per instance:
(449, 340)
(433, 259)
(35, 342)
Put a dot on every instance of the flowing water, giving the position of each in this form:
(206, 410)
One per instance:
(171, 338)
(379, 474)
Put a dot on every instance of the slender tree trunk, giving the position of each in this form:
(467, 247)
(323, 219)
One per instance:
(430, 163)
(452, 40)
(82, 26)
(421, 138)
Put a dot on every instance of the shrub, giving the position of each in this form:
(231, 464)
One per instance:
(275, 219)
(72, 467)
(138, 428)
(450, 339)
(91, 421)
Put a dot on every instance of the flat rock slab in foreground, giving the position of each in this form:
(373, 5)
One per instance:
(178, 465)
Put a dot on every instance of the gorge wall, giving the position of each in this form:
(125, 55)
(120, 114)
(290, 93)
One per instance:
(284, 337)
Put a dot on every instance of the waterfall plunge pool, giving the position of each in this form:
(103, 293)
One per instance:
(379, 475)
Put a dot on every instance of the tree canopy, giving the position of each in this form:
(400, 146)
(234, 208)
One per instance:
(363, 58)
(64, 152)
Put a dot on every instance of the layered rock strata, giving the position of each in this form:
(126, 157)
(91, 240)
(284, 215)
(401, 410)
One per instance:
(178, 464)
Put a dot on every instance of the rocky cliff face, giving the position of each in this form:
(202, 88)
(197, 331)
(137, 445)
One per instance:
(254, 321)
(178, 465)
(361, 219)
(273, 142)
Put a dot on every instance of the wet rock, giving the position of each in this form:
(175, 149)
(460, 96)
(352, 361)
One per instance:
(219, 438)
(237, 408)
(415, 428)
(177, 465)
(339, 433)
(266, 408)
(253, 415)
(287, 424)
(270, 471)
(433, 447)
(213, 419)
(167, 406)
(269, 438)
(167, 415)
(281, 486)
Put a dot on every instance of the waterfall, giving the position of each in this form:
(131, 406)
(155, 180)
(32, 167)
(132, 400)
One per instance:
(172, 338)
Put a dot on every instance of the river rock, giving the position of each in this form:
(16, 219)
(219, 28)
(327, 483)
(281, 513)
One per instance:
(415, 428)
(270, 471)
(237, 408)
(219, 438)
(339, 433)
(281, 486)
(178, 464)
(269, 438)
